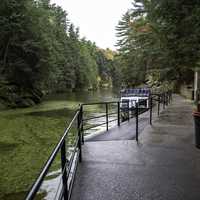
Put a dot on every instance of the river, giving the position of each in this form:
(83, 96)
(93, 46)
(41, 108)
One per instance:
(27, 137)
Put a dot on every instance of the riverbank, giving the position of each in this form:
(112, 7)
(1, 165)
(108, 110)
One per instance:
(28, 135)
(12, 96)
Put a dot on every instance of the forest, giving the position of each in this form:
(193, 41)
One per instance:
(160, 41)
(41, 51)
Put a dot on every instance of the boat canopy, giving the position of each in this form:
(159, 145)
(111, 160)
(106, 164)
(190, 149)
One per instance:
(139, 92)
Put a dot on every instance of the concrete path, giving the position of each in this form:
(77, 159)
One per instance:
(126, 131)
(165, 165)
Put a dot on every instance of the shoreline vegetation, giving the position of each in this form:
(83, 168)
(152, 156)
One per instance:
(13, 97)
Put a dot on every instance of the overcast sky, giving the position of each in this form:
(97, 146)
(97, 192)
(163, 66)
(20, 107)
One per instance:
(96, 19)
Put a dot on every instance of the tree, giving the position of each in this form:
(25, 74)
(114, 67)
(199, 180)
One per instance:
(161, 35)
(41, 52)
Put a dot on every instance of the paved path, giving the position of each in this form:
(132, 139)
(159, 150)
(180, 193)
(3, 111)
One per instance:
(165, 165)
(126, 131)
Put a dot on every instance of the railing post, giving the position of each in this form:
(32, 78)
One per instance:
(64, 173)
(118, 113)
(79, 135)
(168, 94)
(167, 103)
(132, 109)
(81, 123)
(151, 108)
(136, 120)
(171, 95)
(128, 110)
(163, 98)
(107, 116)
(158, 105)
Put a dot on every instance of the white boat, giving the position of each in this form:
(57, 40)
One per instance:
(129, 98)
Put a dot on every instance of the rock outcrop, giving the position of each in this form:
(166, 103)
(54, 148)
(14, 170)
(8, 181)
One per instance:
(13, 96)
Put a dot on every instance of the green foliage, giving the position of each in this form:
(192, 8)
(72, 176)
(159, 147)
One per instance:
(160, 35)
(40, 50)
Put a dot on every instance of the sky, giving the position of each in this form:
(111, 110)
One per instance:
(96, 19)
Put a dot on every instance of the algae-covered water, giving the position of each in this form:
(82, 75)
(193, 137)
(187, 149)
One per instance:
(28, 136)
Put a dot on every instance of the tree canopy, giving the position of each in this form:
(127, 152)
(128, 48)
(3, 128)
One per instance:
(160, 36)
(41, 52)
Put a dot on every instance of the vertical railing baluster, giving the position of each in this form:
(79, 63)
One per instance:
(132, 109)
(118, 113)
(168, 97)
(64, 172)
(167, 103)
(136, 120)
(171, 95)
(81, 121)
(128, 110)
(158, 105)
(79, 135)
(151, 108)
(107, 116)
(163, 98)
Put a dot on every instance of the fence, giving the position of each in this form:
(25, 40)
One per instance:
(78, 124)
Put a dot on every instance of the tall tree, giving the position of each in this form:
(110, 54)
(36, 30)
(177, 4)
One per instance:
(160, 35)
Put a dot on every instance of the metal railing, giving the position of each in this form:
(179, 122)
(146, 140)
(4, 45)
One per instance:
(123, 112)
(67, 174)
(105, 114)
(78, 124)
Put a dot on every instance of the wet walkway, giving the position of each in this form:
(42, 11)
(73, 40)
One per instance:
(165, 165)
(127, 130)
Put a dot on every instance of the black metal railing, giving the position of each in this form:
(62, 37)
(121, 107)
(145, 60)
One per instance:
(69, 157)
(124, 111)
(68, 161)
(105, 116)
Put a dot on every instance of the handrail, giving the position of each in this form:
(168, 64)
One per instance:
(164, 98)
(123, 113)
(96, 117)
(98, 103)
(36, 186)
